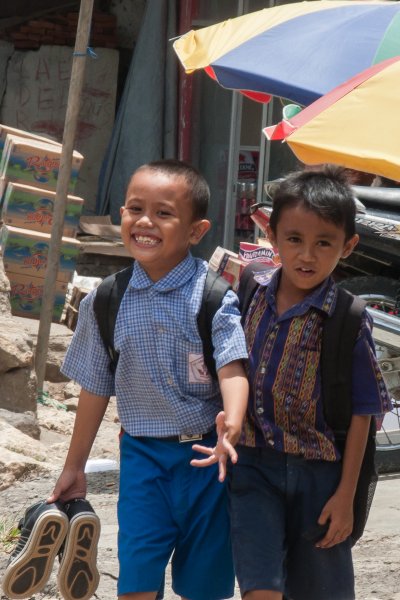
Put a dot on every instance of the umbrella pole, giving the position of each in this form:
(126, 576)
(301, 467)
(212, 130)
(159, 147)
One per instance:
(71, 119)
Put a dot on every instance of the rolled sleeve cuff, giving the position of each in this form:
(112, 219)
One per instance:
(227, 333)
(369, 392)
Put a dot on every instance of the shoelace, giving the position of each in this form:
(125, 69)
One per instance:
(22, 540)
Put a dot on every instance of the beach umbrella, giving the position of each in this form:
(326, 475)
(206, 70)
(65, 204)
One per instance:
(356, 125)
(298, 51)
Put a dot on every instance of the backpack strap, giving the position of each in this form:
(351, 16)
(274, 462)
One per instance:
(338, 339)
(215, 288)
(339, 336)
(248, 286)
(106, 305)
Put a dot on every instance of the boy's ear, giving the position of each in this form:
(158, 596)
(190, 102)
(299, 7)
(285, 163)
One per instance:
(199, 229)
(121, 210)
(350, 245)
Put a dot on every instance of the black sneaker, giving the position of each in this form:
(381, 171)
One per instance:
(43, 530)
(78, 576)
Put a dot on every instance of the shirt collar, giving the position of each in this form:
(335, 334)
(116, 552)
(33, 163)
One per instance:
(172, 280)
(323, 297)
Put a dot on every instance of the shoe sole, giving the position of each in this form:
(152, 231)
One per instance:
(31, 569)
(78, 576)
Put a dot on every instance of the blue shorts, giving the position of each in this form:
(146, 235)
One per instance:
(276, 500)
(167, 507)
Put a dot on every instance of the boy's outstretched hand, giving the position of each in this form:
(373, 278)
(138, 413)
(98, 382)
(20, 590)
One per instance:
(224, 448)
(234, 390)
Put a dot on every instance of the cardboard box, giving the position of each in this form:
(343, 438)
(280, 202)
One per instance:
(26, 296)
(3, 186)
(232, 271)
(25, 252)
(219, 258)
(261, 218)
(5, 129)
(35, 163)
(32, 208)
(264, 241)
(228, 264)
(260, 253)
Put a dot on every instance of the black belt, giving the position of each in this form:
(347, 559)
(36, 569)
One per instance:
(194, 437)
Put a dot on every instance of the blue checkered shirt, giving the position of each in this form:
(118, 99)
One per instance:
(161, 385)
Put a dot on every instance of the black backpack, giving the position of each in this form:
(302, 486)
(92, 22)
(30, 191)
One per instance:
(108, 299)
(340, 332)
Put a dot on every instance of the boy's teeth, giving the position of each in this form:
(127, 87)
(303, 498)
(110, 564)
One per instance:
(143, 239)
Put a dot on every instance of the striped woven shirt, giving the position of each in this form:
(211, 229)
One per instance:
(285, 406)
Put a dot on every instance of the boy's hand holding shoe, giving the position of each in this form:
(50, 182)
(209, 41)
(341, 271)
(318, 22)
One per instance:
(70, 484)
(43, 530)
(69, 530)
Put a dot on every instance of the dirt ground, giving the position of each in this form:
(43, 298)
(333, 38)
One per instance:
(376, 556)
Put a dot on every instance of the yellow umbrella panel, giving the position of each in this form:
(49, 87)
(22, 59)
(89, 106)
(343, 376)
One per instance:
(357, 125)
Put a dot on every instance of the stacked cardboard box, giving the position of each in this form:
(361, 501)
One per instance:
(36, 163)
(230, 265)
(32, 208)
(5, 130)
(29, 169)
(227, 263)
(25, 262)
(25, 252)
(26, 296)
(262, 252)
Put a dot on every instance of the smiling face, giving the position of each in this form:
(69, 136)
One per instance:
(309, 248)
(157, 225)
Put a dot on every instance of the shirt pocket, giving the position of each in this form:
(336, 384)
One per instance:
(295, 398)
(191, 372)
(298, 371)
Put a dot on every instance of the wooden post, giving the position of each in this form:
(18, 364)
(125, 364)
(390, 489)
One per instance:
(71, 119)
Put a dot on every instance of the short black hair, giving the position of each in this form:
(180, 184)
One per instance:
(198, 186)
(323, 191)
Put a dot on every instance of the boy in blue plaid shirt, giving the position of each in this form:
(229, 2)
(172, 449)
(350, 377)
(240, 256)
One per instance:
(164, 395)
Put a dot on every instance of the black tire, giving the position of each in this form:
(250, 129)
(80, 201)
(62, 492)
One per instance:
(387, 461)
(382, 293)
(373, 286)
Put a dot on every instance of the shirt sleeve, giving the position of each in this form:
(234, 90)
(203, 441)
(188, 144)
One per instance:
(87, 361)
(227, 333)
(369, 393)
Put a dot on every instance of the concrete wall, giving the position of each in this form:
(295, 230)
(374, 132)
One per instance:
(35, 98)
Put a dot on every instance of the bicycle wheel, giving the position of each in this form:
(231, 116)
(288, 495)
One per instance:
(388, 442)
(381, 293)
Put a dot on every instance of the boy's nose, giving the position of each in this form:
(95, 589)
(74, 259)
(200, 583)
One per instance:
(144, 220)
(307, 253)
